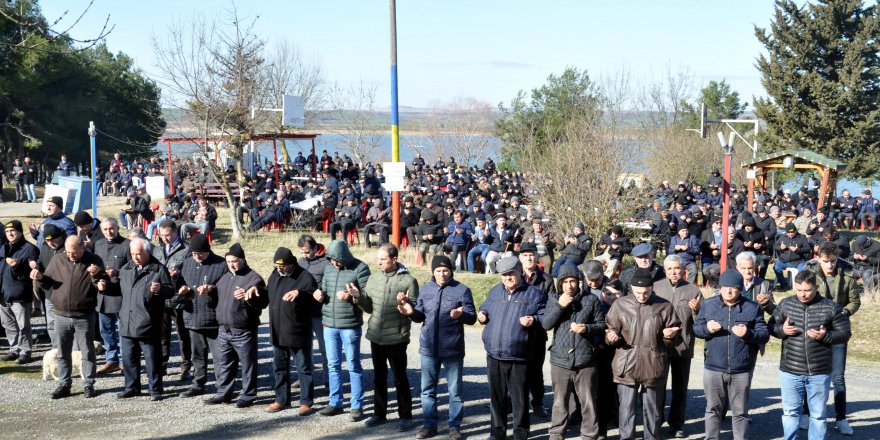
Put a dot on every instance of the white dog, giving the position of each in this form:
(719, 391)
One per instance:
(50, 364)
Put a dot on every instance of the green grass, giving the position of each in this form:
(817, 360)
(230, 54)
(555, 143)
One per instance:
(33, 371)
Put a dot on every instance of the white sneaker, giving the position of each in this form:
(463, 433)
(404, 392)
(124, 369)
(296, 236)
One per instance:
(805, 422)
(842, 426)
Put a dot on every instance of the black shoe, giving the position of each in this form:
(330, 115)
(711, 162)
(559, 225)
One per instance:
(330, 410)
(426, 432)
(89, 392)
(128, 394)
(454, 434)
(22, 360)
(539, 411)
(192, 392)
(185, 372)
(60, 392)
(9, 357)
(155, 397)
(216, 400)
(356, 415)
(679, 433)
(375, 421)
(404, 425)
(243, 403)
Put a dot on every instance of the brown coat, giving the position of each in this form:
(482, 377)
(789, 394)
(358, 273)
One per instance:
(75, 291)
(641, 357)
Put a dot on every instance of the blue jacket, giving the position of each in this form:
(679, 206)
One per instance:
(442, 336)
(504, 337)
(693, 248)
(724, 351)
(62, 221)
(455, 238)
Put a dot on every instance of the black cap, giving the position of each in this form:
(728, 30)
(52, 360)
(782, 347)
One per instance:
(642, 278)
(236, 251)
(14, 224)
(199, 243)
(57, 201)
(83, 218)
(441, 261)
(51, 231)
(284, 256)
(528, 247)
(790, 227)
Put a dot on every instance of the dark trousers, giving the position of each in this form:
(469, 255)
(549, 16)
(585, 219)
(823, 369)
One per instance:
(318, 332)
(376, 229)
(606, 413)
(652, 406)
(508, 379)
(335, 227)
(395, 356)
(236, 346)
(131, 363)
(579, 384)
(176, 317)
(304, 368)
(203, 342)
(456, 251)
(535, 375)
(679, 373)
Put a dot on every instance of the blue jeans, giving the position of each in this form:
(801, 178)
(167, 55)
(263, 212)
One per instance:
(152, 227)
(780, 266)
(349, 339)
(482, 250)
(838, 370)
(794, 390)
(32, 195)
(430, 378)
(110, 335)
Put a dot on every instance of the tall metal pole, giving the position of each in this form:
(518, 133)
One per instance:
(92, 132)
(727, 149)
(170, 170)
(395, 128)
(275, 162)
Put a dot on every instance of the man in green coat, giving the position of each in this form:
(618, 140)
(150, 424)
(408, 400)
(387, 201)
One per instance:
(388, 332)
(342, 320)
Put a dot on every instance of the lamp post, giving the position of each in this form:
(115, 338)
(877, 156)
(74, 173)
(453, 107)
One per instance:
(92, 133)
(727, 150)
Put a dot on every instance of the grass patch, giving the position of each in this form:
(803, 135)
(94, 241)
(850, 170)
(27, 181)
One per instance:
(33, 371)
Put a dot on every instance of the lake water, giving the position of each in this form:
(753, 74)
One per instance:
(409, 145)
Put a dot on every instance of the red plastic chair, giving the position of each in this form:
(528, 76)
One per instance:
(350, 236)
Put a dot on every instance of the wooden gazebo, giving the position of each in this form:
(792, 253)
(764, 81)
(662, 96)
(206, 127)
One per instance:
(798, 160)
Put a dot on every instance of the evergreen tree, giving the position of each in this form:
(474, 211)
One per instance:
(822, 75)
(721, 103)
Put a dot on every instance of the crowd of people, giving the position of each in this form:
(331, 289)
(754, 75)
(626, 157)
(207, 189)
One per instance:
(617, 334)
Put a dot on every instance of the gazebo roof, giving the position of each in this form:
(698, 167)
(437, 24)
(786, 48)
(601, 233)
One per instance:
(803, 155)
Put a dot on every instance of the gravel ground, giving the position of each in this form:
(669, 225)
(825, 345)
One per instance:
(27, 411)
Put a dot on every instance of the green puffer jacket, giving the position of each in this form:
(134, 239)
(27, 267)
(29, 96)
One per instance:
(386, 325)
(336, 313)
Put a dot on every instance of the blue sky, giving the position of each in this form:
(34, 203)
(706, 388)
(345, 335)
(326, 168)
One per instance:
(485, 49)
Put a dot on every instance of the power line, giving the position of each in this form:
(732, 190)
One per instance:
(125, 142)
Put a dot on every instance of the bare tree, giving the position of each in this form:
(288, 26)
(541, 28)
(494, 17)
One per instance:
(214, 71)
(354, 116)
(461, 128)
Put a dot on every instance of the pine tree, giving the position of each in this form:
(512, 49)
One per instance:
(822, 75)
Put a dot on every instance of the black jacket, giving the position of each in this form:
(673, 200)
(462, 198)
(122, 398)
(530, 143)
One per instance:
(290, 322)
(572, 350)
(238, 313)
(17, 285)
(199, 311)
(115, 254)
(801, 355)
(142, 310)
